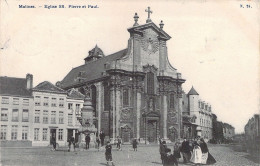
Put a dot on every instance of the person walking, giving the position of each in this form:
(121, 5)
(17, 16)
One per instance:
(102, 137)
(108, 154)
(176, 150)
(98, 142)
(207, 158)
(135, 144)
(185, 150)
(53, 141)
(162, 151)
(87, 140)
(69, 141)
(119, 143)
(196, 157)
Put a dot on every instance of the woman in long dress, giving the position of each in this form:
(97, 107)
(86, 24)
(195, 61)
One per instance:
(204, 150)
(207, 158)
(197, 154)
(176, 150)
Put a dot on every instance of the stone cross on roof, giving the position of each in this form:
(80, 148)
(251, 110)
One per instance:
(149, 12)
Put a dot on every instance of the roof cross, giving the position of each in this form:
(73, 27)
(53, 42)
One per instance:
(149, 12)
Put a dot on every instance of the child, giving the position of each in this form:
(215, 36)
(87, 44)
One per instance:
(108, 153)
(135, 144)
(170, 160)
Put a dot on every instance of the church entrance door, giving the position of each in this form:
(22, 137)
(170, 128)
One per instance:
(152, 126)
(126, 134)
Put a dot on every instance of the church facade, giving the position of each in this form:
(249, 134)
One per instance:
(135, 92)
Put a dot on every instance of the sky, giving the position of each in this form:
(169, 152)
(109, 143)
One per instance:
(215, 45)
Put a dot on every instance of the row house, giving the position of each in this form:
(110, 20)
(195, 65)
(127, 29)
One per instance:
(32, 116)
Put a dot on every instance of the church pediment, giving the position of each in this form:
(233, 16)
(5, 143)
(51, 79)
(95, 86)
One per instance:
(141, 29)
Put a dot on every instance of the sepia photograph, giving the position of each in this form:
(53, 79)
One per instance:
(129, 83)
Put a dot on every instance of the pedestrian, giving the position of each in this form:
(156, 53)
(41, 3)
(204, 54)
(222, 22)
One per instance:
(53, 141)
(185, 150)
(102, 137)
(108, 153)
(170, 160)
(72, 139)
(176, 150)
(98, 142)
(119, 143)
(206, 158)
(162, 151)
(87, 140)
(197, 154)
(135, 144)
(69, 141)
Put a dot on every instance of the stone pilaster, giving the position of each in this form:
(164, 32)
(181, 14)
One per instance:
(113, 115)
(99, 103)
(138, 114)
(118, 108)
(165, 116)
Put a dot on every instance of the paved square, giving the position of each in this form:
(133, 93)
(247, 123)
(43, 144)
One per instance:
(145, 156)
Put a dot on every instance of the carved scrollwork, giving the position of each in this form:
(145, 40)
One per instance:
(149, 41)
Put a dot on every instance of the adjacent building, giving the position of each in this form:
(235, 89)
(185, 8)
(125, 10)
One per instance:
(16, 110)
(32, 116)
(228, 131)
(252, 129)
(197, 116)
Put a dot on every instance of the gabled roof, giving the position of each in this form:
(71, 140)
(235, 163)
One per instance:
(140, 28)
(14, 86)
(74, 94)
(193, 92)
(46, 86)
(92, 70)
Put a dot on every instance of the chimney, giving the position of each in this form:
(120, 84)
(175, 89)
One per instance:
(29, 81)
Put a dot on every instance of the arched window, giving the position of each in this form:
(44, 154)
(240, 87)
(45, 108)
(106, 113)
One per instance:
(171, 100)
(150, 83)
(126, 97)
(106, 97)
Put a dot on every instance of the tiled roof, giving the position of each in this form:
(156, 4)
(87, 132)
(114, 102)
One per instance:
(193, 92)
(91, 71)
(46, 86)
(74, 94)
(14, 86)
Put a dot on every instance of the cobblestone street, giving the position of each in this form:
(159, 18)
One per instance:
(145, 156)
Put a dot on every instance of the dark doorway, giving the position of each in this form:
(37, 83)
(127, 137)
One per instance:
(52, 134)
(152, 130)
(70, 133)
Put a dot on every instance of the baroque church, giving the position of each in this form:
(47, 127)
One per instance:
(135, 92)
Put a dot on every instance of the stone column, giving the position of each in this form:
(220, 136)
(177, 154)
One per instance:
(114, 114)
(73, 133)
(99, 95)
(180, 115)
(138, 110)
(165, 117)
(118, 108)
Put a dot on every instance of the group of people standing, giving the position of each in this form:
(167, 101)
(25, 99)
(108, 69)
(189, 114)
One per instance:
(194, 151)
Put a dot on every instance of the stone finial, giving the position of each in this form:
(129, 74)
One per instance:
(149, 12)
(136, 19)
(161, 24)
